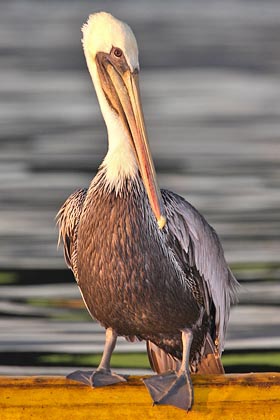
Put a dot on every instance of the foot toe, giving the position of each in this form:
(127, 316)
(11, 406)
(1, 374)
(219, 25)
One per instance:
(101, 378)
(171, 389)
(96, 378)
(81, 376)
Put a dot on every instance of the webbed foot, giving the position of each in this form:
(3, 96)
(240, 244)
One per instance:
(97, 378)
(171, 388)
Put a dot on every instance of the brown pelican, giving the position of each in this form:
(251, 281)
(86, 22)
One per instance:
(147, 263)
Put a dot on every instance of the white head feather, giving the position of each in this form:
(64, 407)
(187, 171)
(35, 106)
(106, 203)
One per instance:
(102, 32)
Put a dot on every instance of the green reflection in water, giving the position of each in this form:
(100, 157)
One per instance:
(140, 360)
(271, 359)
(122, 360)
(8, 278)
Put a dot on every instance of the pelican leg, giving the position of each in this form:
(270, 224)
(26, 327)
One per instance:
(174, 388)
(102, 376)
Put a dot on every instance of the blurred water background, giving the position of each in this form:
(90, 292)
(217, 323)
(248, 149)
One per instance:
(210, 84)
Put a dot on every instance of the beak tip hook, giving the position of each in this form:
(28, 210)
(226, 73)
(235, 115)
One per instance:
(161, 222)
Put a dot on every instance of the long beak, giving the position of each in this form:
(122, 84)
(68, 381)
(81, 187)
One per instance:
(126, 88)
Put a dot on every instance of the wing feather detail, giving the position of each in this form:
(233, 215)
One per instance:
(196, 244)
(67, 219)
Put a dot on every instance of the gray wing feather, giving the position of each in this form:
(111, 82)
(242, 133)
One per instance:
(68, 220)
(197, 244)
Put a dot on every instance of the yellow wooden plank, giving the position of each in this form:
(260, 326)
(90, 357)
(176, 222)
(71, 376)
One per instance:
(219, 397)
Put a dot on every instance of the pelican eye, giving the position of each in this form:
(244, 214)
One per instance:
(118, 52)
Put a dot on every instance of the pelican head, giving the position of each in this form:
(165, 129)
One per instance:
(112, 57)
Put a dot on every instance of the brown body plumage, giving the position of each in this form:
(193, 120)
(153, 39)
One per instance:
(134, 277)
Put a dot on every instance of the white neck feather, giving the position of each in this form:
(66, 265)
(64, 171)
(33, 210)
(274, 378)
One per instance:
(120, 162)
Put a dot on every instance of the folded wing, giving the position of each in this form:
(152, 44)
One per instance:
(68, 218)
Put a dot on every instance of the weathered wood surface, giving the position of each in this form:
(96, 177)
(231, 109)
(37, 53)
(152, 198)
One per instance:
(230, 397)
